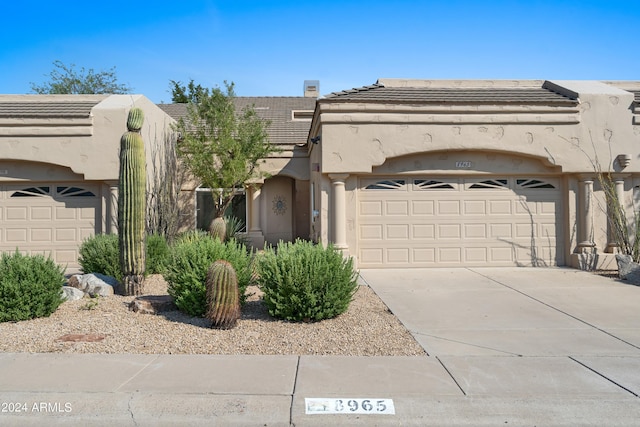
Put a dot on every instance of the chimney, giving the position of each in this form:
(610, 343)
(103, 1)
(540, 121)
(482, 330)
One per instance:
(312, 88)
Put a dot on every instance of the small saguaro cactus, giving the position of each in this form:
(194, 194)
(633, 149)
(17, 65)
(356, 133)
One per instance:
(223, 301)
(218, 228)
(132, 205)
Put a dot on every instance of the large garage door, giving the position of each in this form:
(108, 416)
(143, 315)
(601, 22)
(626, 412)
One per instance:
(440, 222)
(49, 219)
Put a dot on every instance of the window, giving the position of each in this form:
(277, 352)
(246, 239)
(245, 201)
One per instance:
(204, 208)
(490, 184)
(533, 183)
(432, 184)
(387, 184)
(32, 192)
(74, 192)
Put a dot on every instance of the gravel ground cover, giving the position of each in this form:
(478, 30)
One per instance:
(106, 325)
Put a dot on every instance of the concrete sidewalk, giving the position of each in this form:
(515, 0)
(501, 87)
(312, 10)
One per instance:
(527, 347)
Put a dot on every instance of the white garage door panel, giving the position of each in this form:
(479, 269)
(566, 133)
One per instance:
(48, 218)
(424, 222)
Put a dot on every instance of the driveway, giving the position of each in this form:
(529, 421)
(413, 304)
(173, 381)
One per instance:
(524, 333)
(513, 311)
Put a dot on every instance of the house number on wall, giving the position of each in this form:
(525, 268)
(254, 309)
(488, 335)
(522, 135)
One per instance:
(463, 165)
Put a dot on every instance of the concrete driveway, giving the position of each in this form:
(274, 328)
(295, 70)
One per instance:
(513, 311)
(526, 335)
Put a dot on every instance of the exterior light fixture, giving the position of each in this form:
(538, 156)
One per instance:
(623, 160)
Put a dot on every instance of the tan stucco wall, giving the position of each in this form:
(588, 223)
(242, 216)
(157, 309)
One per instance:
(295, 167)
(80, 149)
(277, 224)
(355, 140)
(110, 123)
(361, 138)
(89, 146)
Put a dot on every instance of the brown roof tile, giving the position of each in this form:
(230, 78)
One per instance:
(284, 129)
(456, 95)
(38, 108)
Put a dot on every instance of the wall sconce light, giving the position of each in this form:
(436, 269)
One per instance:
(623, 160)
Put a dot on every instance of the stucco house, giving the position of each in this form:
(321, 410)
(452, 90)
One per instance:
(59, 168)
(401, 173)
(277, 207)
(427, 173)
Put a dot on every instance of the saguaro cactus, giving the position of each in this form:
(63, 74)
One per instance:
(132, 205)
(223, 301)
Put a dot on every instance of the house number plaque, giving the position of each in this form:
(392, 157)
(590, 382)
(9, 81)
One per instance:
(463, 165)
(349, 406)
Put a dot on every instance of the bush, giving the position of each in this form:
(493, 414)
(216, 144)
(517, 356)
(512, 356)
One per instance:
(30, 286)
(100, 254)
(157, 254)
(234, 229)
(303, 281)
(189, 261)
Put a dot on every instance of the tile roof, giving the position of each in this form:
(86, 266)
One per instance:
(35, 108)
(284, 129)
(457, 95)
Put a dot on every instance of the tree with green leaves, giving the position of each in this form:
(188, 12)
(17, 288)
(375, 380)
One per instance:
(221, 147)
(65, 79)
(181, 94)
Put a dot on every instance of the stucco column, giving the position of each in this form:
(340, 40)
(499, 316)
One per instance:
(338, 211)
(112, 215)
(612, 245)
(254, 231)
(585, 218)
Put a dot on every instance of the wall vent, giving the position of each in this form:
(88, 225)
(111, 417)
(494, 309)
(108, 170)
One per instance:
(305, 115)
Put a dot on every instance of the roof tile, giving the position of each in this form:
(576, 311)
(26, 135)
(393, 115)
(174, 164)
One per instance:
(458, 95)
(284, 129)
(49, 109)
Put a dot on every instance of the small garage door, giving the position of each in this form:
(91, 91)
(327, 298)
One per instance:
(48, 218)
(458, 221)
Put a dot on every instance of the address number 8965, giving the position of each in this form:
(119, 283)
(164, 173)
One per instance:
(349, 406)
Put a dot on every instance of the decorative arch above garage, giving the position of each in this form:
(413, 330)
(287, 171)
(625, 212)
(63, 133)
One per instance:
(468, 161)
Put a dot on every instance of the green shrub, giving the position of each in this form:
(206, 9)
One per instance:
(30, 286)
(191, 256)
(234, 229)
(303, 281)
(192, 236)
(100, 254)
(157, 254)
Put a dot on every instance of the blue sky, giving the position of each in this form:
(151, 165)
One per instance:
(268, 48)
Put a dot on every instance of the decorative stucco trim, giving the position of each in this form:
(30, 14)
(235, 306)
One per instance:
(362, 118)
(47, 131)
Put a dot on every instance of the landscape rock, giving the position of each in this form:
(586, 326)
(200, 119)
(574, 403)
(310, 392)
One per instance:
(94, 284)
(152, 304)
(69, 293)
(628, 269)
